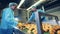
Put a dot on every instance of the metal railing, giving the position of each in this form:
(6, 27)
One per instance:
(39, 22)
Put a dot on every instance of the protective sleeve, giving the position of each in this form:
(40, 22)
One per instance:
(32, 17)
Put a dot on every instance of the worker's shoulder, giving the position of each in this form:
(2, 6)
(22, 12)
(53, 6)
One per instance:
(33, 13)
(39, 10)
(6, 9)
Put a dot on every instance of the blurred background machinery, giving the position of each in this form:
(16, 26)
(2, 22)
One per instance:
(50, 6)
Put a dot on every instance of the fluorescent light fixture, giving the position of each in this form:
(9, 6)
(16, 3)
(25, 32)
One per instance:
(36, 4)
(21, 2)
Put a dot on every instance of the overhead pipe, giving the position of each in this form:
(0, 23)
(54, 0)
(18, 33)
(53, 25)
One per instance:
(36, 4)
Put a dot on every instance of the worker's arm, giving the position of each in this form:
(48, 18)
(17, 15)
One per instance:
(42, 17)
(31, 17)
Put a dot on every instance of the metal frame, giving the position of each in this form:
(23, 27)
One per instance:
(39, 22)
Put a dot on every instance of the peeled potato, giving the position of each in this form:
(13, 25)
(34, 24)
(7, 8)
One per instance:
(58, 32)
(46, 27)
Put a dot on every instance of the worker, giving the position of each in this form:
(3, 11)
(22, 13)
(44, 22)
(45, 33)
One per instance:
(8, 23)
(32, 17)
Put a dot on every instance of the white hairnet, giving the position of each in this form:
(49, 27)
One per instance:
(12, 4)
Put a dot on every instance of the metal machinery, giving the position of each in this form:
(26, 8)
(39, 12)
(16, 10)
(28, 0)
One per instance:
(39, 22)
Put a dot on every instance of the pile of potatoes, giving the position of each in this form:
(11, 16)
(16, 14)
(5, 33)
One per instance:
(46, 27)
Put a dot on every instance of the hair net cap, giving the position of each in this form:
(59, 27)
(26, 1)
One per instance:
(12, 4)
(34, 7)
